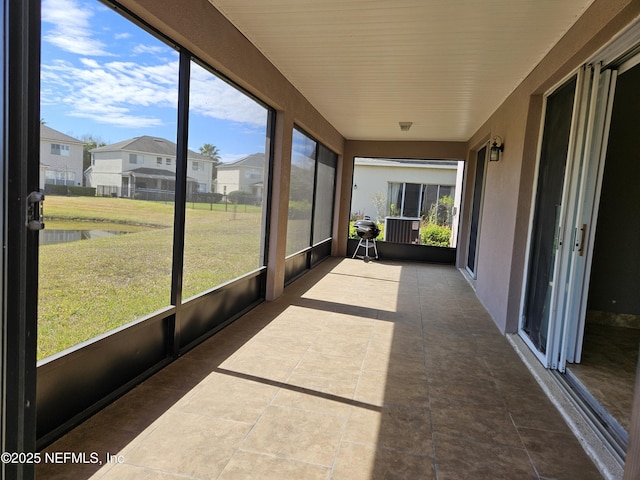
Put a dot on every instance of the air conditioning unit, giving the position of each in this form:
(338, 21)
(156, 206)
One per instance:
(402, 229)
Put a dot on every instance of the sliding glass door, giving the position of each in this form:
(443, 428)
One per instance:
(546, 239)
(474, 233)
(569, 175)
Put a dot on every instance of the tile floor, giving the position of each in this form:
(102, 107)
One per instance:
(608, 368)
(359, 371)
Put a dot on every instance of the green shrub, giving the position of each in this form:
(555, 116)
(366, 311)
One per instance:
(82, 191)
(299, 209)
(435, 235)
(69, 190)
(240, 197)
(441, 212)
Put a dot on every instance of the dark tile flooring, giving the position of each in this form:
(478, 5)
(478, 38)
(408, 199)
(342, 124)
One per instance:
(608, 368)
(359, 371)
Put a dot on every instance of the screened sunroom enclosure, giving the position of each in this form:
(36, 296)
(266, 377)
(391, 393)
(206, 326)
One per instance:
(156, 275)
(547, 233)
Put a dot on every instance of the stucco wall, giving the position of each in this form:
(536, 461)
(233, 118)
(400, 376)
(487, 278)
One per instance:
(62, 163)
(374, 179)
(228, 178)
(509, 183)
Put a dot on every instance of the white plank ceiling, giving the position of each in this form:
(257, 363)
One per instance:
(445, 65)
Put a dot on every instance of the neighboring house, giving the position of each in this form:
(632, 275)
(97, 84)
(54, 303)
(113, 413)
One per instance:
(246, 175)
(60, 158)
(145, 167)
(405, 188)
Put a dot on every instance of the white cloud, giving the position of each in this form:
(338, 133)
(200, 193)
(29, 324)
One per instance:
(123, 93)
(115, 93)
(71, 28)
(212, 97)
(148, 49)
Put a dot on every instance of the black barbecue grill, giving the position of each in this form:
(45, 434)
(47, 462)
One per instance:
(367, 231)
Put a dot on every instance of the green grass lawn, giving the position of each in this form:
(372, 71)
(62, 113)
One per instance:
(89, 287)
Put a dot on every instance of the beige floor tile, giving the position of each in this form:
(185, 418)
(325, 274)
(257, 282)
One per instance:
(458, 458)
(480, 422)
(348, 326)
(230, 397)
(293, 331)
(558, 455)
(285, 348)
(404, 429)
(130, 472)
(329, 366)
(471, 389)
(366, 462)
(388, 324)
(256, 365)
(398, 343)
(189, 444)
(392, 363)
(317, 394)
(249, 465)
(392, 390)
(338, 344)
(296, 435)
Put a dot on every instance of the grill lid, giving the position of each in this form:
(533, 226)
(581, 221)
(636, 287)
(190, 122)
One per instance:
(367, 229)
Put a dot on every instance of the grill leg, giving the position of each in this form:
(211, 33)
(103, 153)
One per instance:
(364, 243)
(357, 248)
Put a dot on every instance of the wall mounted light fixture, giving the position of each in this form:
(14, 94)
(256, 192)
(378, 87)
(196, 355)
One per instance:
(497, 147)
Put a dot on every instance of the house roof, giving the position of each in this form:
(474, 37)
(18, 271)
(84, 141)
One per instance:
(148, 144)
(253, 160)
(51, 134)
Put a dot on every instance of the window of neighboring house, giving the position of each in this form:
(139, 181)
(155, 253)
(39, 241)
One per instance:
(167, 161)
(415, 199)
(202, 188)
(158, 160)
(136, 159)
(195, 166)
(53, 177)
(59, 149)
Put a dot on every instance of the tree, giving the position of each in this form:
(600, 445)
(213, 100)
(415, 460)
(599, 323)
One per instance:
(379, 200)
(90, 142)
(211, 151)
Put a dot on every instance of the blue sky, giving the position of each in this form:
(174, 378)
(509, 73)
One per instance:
(104, 76)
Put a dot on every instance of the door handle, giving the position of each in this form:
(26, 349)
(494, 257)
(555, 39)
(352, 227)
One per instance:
(583, 236)
(34, 214)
